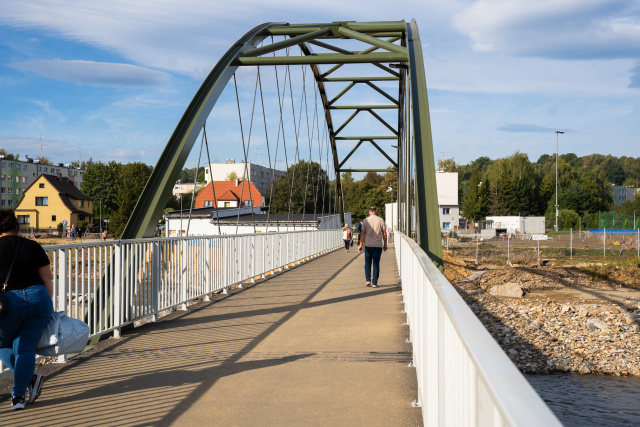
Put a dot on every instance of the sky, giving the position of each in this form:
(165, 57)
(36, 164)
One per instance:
(110, 80)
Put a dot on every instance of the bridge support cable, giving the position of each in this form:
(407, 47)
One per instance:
(368, 60)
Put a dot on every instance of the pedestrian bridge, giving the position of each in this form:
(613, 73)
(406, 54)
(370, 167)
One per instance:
(274, 329)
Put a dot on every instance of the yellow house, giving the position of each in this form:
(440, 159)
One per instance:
(50, 200)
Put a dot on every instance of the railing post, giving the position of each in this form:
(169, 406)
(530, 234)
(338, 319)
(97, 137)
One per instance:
(155, 279)
(183, 274)
(117, 289)
(62, 289)
(208, 270)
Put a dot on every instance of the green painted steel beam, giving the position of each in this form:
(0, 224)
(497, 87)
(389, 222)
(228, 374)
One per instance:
(366, 170)
(323, 58)
(274, 47)
(381, 92)
(384, 122)
(428, 218)
(395, 165)
(368, 138)
(351, 152)
(158, 189)
(360, 79)
(364, 107)
(372, 41)
(345, 90)
(355, 113)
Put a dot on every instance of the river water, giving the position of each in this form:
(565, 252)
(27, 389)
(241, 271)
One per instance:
(590, 400)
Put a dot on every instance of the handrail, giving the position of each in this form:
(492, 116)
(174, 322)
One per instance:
(115, 283)
(464, 377)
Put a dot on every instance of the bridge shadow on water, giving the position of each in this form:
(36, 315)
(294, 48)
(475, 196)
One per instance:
(196, 367)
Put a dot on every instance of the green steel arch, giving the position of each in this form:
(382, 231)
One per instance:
(393, 47)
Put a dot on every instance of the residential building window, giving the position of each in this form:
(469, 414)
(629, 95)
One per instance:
(3, 203)
(53, 217)
(24, 167)
(2, 165)
(227, 204)
(446, 211)
(446, 225)
(41, 185)
(17, 191)
(9, 165)
(208, 203)
(2, 177)
(23, 219)
(39, 169)
(247, 202)
(81, 203)
(10, 178)
(3, 190)
(46, 170)
(10, 202)
(42, 201)
(9, 190)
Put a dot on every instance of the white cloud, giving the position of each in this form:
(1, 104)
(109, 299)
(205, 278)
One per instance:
(553, 28)
(94, 73)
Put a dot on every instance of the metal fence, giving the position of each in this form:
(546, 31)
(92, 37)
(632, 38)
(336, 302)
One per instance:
(464, 377)
(115, 283)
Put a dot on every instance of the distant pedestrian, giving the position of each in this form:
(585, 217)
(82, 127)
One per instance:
(373, 240)
(359, 230)
(73, 232)
(104, 235)
(28, 287)
(346, 236)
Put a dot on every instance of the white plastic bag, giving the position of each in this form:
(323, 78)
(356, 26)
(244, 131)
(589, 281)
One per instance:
(50, 334)
(71, 335)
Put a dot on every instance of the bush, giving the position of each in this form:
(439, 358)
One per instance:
(59, 226)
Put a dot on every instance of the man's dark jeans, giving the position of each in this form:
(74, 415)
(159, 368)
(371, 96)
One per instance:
(372, 255)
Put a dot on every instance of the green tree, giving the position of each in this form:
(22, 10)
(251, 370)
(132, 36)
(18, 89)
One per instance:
(303, 188)
(613, 170)
(232, 176)
(475, 203)
(130, 182)
(9, 156)
(99, 183)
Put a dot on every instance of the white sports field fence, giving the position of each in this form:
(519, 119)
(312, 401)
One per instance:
(112, 284)
(584, 244)
(464, 377)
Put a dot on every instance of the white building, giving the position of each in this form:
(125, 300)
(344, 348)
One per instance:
(186, 187)
(514, 224)
(447, 187)
(260, 176)
(205, 221)
(17, 175)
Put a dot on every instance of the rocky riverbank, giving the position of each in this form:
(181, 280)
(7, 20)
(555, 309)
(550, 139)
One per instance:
(555, 320)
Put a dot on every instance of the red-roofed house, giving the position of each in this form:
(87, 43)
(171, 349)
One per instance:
(229, 194)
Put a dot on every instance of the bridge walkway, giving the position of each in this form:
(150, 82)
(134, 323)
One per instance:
(311, 346)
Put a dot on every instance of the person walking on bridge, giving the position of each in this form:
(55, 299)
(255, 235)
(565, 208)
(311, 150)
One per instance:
(373, 240)
(28, 287)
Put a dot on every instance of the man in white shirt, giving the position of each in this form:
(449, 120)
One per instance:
(373, 240)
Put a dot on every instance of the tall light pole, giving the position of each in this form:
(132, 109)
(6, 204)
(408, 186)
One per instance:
(557, 132)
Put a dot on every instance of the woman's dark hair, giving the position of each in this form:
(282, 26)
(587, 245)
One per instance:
(8, 221)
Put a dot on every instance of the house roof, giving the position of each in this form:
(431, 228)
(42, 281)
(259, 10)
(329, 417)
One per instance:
(229, 190)
(66, 191)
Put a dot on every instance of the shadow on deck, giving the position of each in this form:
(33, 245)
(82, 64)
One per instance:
(309, 346)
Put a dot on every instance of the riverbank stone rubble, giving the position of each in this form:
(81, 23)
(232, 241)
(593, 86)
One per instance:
(545, 337)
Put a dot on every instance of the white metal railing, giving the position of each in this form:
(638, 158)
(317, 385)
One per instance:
(115, 283)
(464, 377)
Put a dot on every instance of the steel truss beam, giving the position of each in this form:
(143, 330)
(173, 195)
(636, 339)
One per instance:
(383, 52)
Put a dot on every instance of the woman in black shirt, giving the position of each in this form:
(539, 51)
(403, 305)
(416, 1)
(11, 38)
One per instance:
(28, 295)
